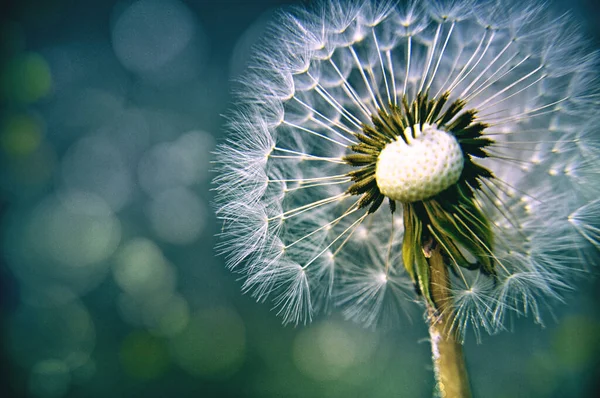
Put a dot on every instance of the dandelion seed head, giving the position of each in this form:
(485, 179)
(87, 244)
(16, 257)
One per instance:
(366, 132)
(422, 168)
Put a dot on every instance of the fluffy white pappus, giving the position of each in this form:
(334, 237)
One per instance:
(586, 221)
(300, 237)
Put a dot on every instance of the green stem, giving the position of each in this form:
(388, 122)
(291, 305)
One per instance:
(448, 359)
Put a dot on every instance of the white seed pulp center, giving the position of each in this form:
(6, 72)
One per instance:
(429, 163)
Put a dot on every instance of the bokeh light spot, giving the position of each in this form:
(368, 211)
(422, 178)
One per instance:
(144, 356)
(96, 165)
(163, 313)
(75, 229)
(25, 79)
(212, 345)
(177, 216)
(149, 33)
(171, 316)
(194, 151)
(328, 350)
(49, 378)
(180, 163)
(20, 134)
(141, 270)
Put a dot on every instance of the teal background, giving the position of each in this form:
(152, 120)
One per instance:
(109, 284)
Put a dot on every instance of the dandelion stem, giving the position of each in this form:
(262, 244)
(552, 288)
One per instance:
(452, 380)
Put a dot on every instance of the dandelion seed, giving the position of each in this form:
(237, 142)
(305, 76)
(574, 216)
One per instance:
(438, 152)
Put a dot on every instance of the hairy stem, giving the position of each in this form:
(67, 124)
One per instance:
(448, 359)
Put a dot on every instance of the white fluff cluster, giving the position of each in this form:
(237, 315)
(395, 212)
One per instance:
(297, 236)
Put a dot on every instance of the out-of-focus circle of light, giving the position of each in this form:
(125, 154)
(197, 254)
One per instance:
(212, 345)
(43, 280)
(177, 215)
(326, 351)
(144, 356)
(194, 150)
(164, 314)
(25, 78)
(20, 134)
(167, 316)
(159, 169)
(94, 164)
(64, 333)
(129, 130)
(182, 162)
(149, 33)
(49, 378)
(75, 229)
(141, 270)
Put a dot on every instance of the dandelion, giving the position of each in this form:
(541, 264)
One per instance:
(443, 153)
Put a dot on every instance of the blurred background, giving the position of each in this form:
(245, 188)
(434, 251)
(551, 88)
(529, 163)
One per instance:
(109, 286)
